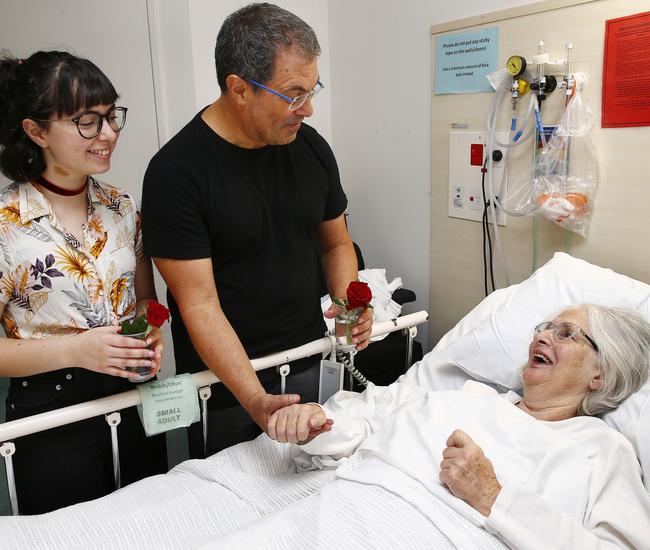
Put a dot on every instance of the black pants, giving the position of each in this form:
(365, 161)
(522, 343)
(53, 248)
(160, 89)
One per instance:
(73, 463)
(229, 423)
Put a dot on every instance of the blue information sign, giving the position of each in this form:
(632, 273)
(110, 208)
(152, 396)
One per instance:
(463, 60)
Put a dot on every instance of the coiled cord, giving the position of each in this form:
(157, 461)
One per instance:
(345, 361)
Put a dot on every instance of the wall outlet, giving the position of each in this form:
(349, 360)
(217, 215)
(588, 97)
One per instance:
(458, 197)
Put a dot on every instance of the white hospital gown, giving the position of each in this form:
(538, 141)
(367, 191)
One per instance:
(569, 484)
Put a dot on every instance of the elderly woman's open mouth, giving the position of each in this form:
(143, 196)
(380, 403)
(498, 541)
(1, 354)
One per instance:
(540, 359)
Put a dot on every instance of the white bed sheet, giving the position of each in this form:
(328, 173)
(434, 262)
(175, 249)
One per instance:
(248, 497)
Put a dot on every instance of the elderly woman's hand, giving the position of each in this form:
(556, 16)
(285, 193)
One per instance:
(468, 473)
(298, 423)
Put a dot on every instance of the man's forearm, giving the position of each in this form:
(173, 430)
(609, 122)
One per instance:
(220, 349)
(339, 268)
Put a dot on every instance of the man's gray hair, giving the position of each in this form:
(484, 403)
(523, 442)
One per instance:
(249, 40)
(623, 338)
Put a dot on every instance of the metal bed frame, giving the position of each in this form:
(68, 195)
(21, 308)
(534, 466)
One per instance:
(111, 406)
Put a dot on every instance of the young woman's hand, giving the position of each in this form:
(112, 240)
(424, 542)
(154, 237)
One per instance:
(107, 351)
(155, 344)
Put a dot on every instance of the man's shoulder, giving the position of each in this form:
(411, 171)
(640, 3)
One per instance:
(318, 144)
(310, 134)
(182, 144)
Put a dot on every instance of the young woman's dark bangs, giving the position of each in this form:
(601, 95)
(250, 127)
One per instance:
(82, 85)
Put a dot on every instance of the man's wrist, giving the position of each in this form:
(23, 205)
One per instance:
(248, 403)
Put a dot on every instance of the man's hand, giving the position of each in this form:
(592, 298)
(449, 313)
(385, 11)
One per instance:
(298, 423)
(262, 405)
(361, 330)
(468, 473)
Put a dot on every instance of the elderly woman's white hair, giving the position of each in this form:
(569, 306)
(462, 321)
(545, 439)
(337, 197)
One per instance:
(623, 339)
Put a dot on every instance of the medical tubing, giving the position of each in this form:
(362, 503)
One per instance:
(500, 92)
(486, 231)
(497, 236)
(534, 253)
(527, 117)
(540, 128)
(341, 356)
(492, 113)
(483, 224)
(567, 241)
(516, 213)
(491, 140)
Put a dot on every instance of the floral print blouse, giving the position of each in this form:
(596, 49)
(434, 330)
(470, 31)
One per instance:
(53, 285)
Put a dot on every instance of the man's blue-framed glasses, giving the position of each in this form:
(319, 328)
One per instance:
(294, 102)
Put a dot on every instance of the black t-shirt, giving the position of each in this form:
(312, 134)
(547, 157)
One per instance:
(255, 213)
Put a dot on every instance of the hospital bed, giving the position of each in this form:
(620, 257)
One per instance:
(250, 496)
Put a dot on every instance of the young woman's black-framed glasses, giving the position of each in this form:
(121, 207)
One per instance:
(294, 102)
(89, 123)
(566, 331)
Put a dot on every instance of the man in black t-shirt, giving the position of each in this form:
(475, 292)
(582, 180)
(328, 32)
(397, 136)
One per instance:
(243, 216)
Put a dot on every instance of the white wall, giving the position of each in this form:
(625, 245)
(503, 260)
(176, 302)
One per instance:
(381, 120)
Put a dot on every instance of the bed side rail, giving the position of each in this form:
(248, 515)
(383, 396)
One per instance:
(110, 406)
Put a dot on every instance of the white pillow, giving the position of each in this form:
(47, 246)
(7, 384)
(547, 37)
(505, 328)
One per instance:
(497, 345)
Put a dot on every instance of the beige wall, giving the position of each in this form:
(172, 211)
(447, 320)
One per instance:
(619, 235)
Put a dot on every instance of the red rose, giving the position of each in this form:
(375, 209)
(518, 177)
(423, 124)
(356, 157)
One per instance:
(157, 314)
(359, 295)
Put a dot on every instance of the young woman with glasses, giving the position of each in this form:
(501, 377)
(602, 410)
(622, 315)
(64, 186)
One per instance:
(71, 270)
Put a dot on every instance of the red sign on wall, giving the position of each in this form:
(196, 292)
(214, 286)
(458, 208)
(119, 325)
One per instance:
(626, 72)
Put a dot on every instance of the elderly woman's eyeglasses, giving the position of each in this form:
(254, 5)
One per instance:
(89, 123)
(294, 102)
(566, 331)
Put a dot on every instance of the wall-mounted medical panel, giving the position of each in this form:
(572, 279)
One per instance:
(619, 231)
(468, 177)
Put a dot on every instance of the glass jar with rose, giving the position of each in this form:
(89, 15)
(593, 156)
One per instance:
(140, 327)
(358, 297)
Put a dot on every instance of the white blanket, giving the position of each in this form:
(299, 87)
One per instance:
(249, 496)
(568, 484)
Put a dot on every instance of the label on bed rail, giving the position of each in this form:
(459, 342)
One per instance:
(331, 379)
(168, 404)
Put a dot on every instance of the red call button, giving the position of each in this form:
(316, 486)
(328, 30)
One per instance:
(476, 154)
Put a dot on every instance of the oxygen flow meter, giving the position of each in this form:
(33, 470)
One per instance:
(516, 65)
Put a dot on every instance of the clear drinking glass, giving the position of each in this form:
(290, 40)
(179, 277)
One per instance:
(343, 323)
(144, 373)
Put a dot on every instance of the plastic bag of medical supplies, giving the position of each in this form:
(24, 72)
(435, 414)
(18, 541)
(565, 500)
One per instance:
(566, 170)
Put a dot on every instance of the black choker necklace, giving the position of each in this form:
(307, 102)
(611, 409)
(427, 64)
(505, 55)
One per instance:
(47, 184)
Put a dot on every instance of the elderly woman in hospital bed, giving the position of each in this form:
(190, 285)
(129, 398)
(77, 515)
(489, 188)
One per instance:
(540, 470)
